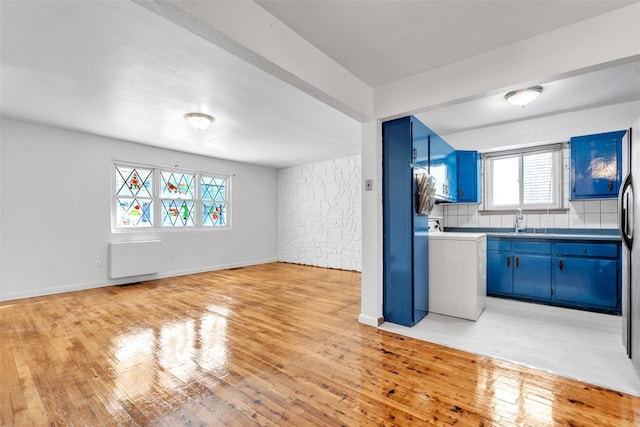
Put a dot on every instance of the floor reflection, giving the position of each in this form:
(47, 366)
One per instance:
(135, 363)
(171, 356)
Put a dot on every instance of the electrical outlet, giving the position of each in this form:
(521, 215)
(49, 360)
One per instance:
(98, 264)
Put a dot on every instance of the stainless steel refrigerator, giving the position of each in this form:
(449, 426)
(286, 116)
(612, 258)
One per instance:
(629, 210)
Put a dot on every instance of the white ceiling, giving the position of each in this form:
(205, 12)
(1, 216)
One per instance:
(384, 41)
(117, 69)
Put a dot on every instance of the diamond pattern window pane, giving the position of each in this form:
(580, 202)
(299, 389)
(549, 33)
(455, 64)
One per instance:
(177, 213)
(214, 214)
(134, 212)
(213, 188)
(176, 185)
(133, 182)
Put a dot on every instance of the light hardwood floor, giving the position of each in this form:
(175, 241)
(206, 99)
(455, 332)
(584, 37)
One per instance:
(274, 344)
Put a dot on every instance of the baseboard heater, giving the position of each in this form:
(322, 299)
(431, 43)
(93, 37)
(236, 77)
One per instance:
(128, 259)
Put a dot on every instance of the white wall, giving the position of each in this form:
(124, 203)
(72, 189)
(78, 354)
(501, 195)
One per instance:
(55, 212)
(319, 214)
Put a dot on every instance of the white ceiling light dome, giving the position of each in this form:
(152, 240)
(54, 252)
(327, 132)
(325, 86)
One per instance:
(199, 121)
(522, 97)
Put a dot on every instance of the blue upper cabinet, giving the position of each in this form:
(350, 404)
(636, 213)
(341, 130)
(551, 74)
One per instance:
(443, 165)
(469, 182)
(420, 135)
(596, 170)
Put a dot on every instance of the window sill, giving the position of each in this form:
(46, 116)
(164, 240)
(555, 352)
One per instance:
(524, 211)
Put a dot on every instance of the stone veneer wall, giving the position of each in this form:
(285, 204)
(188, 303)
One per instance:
(319, 214)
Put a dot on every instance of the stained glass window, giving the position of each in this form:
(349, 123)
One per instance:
(178, 196)
(160, 198)
(133, 196)
(213, 192)
(177, 185)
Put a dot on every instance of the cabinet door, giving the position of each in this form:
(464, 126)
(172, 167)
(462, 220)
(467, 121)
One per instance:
(420, 137)
(441, 161)
(499, 273)
(587, 281)
(468, 188)
(532, 276)
(596, 166)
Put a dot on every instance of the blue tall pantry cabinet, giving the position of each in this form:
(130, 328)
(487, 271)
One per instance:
(406, 245)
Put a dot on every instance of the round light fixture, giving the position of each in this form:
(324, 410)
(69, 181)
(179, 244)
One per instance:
(522, 97)
(199, 121)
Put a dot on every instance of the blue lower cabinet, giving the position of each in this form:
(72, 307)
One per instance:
(587, 281)
(578, 274)
(499, 273)
(532, 276)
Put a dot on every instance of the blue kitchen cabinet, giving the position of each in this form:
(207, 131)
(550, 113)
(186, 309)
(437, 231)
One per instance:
(587, 275)
(469, 183)
(405, 241)
(532, 269)
(443, 165)
(499, 267)
(596, 165)
(420, 135)
(499, 273)
(573, 273)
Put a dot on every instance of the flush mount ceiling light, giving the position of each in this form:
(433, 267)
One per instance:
(522, 97)
(199, 121)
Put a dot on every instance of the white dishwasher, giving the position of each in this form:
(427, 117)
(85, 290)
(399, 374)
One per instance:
(457, 274)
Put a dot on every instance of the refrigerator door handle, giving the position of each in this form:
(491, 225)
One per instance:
(624, 213)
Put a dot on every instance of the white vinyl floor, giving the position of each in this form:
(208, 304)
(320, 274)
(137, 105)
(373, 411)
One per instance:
(572, 343)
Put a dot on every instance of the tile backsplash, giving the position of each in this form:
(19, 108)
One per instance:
(594, 214)
(580, 214)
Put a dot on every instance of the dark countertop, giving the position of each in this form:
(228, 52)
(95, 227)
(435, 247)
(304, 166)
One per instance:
(550, 234)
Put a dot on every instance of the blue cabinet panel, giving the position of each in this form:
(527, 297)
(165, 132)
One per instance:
(421, 275)
(587, 281)
(443, 167)
(542, 248)
(405, 254)
(420, 141)
(498, 245)
(532, 276)
(609, 250)
(397, 200)
(469, 182)
(596, 169)
(499, 273)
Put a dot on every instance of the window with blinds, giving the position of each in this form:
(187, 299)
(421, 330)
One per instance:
(529, 180)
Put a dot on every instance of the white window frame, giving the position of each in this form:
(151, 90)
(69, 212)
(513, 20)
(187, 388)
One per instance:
(557, 184)
(157, 199)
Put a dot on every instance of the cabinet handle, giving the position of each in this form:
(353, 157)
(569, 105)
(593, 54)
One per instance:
(462, 192)
(584, 250)
(610, 185)
(517, 262)
(560, 265)
(415, 153)
(508, 261)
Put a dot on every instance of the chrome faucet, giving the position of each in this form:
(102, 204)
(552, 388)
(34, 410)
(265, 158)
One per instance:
(518, 217)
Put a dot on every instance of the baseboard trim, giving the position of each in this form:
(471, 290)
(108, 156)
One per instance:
(370, 320)
(123, 281)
